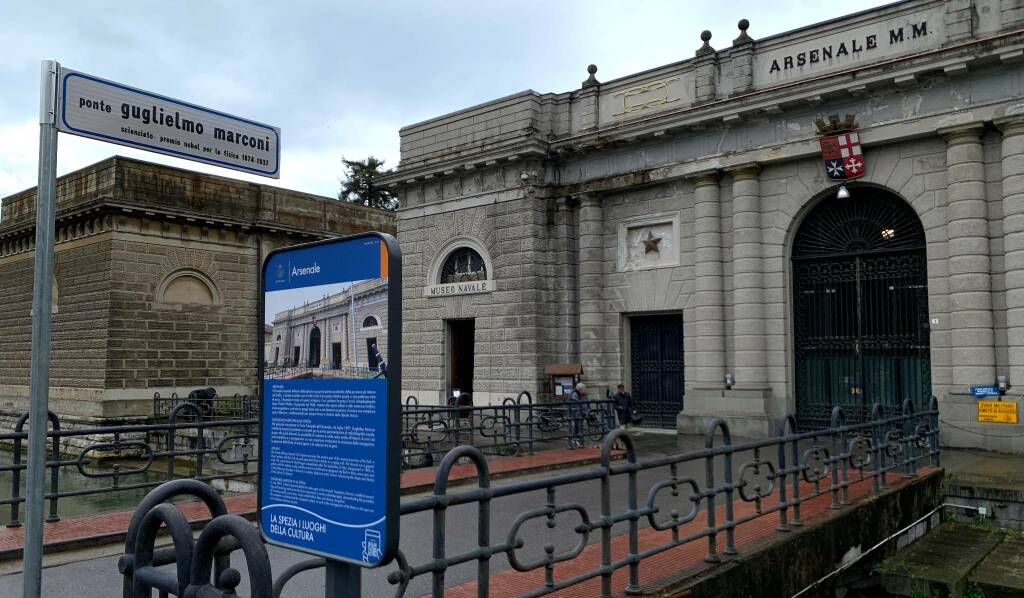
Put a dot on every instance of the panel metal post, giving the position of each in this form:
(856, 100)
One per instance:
(352, 325)
(342, 580)
(39, 381)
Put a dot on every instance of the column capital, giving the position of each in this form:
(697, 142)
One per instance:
(747, 170)
(707, 177)
(585, 198)
(964, 133)
(1010, 125)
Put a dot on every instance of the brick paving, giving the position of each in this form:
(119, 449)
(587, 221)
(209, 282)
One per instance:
(75, 532)
(686, 560)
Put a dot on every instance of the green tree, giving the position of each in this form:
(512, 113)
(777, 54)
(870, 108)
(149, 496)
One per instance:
(359, 185)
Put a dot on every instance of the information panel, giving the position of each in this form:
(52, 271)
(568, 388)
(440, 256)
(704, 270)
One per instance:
(100, 109)
(999, 412)
(330, 409)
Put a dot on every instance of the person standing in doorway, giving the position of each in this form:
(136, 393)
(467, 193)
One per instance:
(578, 409)
(623, 406)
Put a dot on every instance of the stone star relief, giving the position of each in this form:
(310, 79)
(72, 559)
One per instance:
(651, 243)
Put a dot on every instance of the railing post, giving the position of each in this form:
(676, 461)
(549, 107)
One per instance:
(910, 462)
(877, 449)
(606, 528)
(790, 422)
(531, 422)
(19, 428)
(483, 519)
(54, 468)
(933, 406)
(610, 440)
(839, 459)
(712, 490)
(172, 435)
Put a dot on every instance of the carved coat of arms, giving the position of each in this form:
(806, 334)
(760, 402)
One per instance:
(840, 148)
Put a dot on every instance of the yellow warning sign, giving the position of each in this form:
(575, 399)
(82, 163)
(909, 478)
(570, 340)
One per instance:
(999, 412)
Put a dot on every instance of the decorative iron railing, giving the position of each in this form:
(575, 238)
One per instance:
(132, 458)
(236, 406)
(517, 426)
(778, 476)
(214, 439)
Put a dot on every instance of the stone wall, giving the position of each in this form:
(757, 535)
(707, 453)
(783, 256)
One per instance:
(721, 154)
(79, 337)
(158, 344)
(157, 275)
(513, 324)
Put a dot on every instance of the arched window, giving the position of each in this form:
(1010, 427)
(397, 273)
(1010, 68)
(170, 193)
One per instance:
(370, 322)
(188, 287)
(463, 265)
(279, 337)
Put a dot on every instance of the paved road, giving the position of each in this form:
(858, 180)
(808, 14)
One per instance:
(95, 575)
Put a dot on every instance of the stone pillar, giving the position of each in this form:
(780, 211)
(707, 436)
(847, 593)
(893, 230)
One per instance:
(959, 20)
(563, 253)
(709, 313)
(1011, 13)
(742, 58)
(590, 273)
(970, 295)
(586, 101)
(748, 280)
(744, 406)
(1013, 239)
(705, 66)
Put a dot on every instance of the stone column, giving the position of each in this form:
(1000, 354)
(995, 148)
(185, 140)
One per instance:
(748, 280)
(970, 295)
(709, 313)
(562, 255)
(1013, 239)
(590, 273)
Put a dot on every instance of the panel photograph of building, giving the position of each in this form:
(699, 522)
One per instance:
(328, 331)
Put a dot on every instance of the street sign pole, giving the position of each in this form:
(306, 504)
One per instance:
(342, 580)
(39, 381)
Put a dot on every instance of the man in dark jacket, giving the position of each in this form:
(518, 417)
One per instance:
(578, 409)
(623, 406)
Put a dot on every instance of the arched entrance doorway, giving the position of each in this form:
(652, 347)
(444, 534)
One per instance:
(860, 308)
(314, 347)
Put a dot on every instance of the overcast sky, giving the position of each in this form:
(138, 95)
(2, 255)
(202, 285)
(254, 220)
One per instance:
(278, 301)
(340, 77)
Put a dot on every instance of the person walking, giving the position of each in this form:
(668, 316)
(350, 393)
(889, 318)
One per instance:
(578, 409)
(623, 406)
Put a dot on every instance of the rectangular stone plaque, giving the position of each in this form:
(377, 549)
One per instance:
(459, 288)
(798, 57)
(999, 412)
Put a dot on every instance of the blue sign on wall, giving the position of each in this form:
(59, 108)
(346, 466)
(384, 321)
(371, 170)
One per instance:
(984, 391)
(329, 431)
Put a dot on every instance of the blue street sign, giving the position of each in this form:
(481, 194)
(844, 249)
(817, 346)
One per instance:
(984, 391)
(330, 352)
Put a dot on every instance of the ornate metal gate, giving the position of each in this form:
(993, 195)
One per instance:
(656, 358)
(860, 309)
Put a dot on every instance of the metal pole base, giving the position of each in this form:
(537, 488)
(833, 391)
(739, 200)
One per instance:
(343, 580)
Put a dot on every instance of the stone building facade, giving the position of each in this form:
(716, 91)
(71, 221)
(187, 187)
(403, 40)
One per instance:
(677, 229)
(156, 282)
(333, 333)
